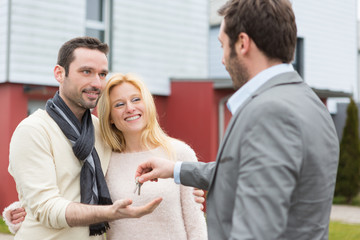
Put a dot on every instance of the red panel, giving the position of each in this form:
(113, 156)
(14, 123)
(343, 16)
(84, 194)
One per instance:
(191, 117)
(14, 108)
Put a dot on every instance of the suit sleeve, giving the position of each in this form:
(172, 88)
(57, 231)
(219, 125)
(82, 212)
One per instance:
(271, 156)
(197, 174)
(32, 166)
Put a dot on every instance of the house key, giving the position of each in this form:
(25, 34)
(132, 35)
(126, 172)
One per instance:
(138, 186)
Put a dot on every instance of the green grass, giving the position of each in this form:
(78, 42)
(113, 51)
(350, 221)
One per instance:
(3, 227)
(342, 231)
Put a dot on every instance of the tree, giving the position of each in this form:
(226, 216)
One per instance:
(348, 176)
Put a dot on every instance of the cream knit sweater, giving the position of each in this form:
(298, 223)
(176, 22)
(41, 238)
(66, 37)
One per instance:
(178, 217)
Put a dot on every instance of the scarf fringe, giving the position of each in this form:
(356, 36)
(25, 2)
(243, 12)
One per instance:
(99, 228)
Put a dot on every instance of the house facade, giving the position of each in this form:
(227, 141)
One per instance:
(156, 39)
(173, 45)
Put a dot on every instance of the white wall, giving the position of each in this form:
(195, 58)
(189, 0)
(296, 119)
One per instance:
(161, 39)
(3, 39)
(38, 29)
(330, 43)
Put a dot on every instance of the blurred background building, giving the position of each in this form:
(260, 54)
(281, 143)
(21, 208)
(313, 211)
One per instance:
(173, 45)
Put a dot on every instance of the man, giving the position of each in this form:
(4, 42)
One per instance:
(275, 171)
(55, 154)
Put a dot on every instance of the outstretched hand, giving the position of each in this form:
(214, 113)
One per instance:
(155, 168)
(123, 209)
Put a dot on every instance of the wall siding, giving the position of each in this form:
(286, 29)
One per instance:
(330, 43)
(3, 39)
(160, 39)
(38, 29)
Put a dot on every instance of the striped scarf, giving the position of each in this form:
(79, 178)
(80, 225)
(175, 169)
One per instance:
(81, 135)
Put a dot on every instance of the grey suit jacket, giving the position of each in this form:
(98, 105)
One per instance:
(275, 171)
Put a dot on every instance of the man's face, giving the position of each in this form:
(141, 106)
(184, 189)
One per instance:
(82, 87)
(232, 60)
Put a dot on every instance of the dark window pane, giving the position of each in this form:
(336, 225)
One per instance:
(95, 33)
(94, 10)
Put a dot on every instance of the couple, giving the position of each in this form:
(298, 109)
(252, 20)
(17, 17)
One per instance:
(58, 158)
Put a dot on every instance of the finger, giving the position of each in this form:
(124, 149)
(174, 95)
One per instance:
(123, 203)
(17, 210)
(17, 215)
(149, 208)
(19, 220)
(198, 192)
(199, 199)
(143, 168)
(148, 176)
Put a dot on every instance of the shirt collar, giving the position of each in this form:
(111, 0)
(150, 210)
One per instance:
(238, 98)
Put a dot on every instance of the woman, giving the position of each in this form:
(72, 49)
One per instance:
(128, 122)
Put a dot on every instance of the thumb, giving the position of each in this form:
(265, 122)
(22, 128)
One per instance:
(148, 176)
(123, 203)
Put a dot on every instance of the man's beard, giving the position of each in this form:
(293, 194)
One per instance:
(237, 70)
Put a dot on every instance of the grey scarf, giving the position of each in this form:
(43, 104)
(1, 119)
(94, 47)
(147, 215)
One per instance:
(81, 135)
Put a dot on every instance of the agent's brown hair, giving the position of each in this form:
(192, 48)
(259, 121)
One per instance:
(269, 23)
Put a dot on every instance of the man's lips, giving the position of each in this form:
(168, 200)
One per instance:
(92, 94)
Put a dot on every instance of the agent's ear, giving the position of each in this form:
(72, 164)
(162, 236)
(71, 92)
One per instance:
(59, 73)
(243, 44)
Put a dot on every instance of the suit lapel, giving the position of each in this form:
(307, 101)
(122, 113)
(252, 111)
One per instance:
(281, 79)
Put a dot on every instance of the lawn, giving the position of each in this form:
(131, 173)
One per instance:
(341, 231)
(3, 227)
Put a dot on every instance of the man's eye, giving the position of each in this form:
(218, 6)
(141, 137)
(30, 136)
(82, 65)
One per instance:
(102, 75)
(86, 71)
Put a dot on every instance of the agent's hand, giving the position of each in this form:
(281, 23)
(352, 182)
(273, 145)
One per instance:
(123, 209)
(17, 215)
(155, 168)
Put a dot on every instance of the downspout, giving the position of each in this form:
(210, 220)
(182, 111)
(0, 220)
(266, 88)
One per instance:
(7, 61)
(221, 118)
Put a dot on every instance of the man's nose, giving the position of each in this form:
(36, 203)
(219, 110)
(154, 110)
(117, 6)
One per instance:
(96, 82)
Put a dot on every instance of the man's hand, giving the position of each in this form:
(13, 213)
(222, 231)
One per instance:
(17, 215)
(78, 214)
(123, 209)
(155, 168)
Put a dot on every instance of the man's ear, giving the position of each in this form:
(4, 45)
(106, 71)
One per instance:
(59, 73)
(243, 44)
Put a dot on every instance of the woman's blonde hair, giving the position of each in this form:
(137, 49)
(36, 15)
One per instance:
(152, 135)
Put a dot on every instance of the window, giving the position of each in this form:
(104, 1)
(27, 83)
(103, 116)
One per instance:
(98, 21)
(298, 62)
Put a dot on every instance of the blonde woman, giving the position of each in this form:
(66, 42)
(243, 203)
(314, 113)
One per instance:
(128, 122)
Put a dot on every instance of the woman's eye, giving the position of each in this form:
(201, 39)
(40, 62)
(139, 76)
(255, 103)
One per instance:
(119, 104)
(136, 99)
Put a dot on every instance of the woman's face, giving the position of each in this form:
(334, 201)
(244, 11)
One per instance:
(127, 109)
